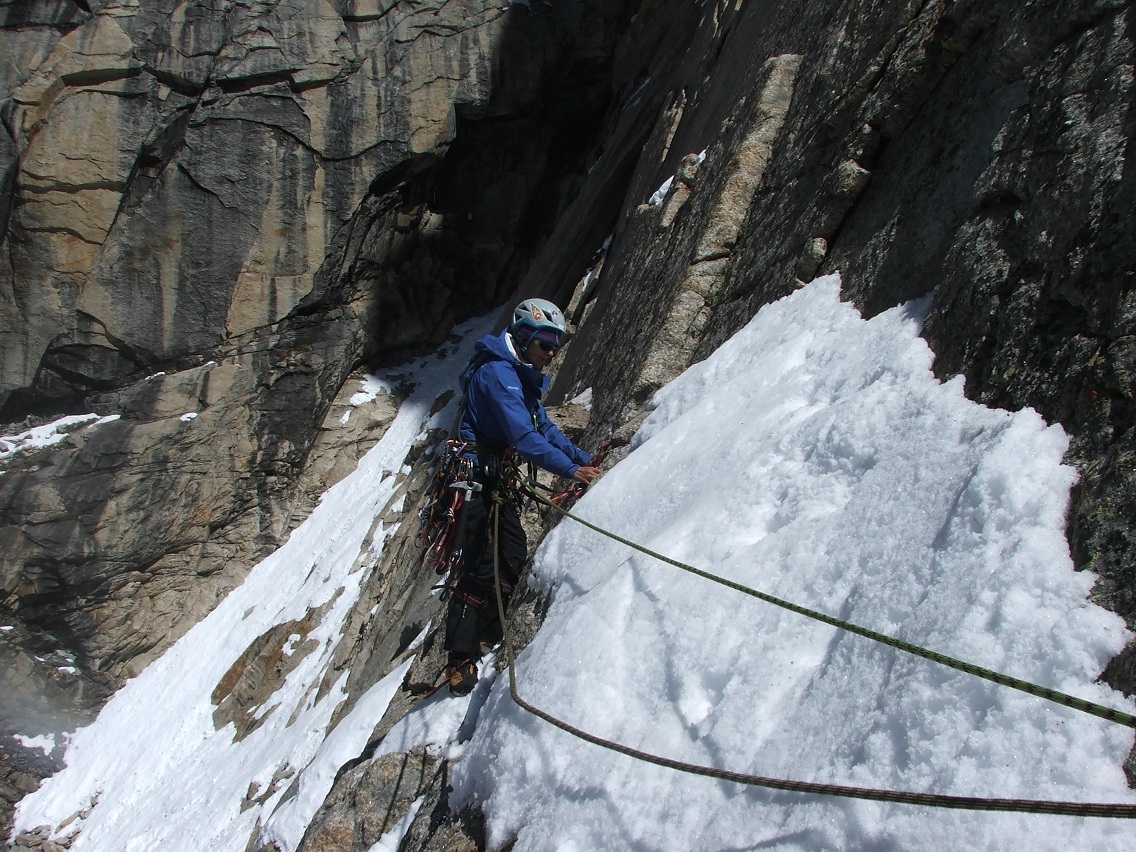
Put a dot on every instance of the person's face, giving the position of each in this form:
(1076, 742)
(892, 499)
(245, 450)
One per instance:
(540, 354)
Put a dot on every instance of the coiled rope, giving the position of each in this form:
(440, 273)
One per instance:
(1034, 806)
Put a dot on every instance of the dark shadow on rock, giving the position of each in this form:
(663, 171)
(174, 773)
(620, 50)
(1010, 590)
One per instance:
(465, 228)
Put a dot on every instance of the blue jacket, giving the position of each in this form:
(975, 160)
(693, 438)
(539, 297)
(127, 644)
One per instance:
(502, 407)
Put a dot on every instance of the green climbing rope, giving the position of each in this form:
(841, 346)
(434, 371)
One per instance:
(1034, 689)
(1033, 806)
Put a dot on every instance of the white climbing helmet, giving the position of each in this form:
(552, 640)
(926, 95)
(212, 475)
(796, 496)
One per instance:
(539, 315)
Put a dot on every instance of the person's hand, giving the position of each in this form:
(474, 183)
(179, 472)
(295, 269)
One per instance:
(585, 475)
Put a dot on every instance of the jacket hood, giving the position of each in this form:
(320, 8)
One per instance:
(497, 346)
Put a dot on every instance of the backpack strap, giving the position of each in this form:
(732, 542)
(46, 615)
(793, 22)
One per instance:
(471, 367)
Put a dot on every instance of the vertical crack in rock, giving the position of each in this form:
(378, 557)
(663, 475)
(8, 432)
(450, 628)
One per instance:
(680, 332)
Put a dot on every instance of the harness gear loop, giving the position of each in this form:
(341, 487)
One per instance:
(439, 520)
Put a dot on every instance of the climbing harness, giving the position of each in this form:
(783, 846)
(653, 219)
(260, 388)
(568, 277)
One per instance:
(458, 476)
(440, 525)
(442, 520)
(1036, 806)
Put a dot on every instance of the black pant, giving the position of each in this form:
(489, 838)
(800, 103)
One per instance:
(472, 615)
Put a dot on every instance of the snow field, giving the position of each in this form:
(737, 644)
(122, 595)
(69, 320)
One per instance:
(814, 457)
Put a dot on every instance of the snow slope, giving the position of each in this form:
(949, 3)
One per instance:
(814, 457)
(162, 774)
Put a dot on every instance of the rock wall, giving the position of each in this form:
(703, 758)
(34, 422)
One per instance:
(256, 198)
(220, 209)
(211, 213)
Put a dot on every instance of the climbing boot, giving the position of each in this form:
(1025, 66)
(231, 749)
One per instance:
(463, 677)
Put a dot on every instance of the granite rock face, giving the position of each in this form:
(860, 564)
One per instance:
(256, 199)
(243, 201)
(179, 173)
(211, 214)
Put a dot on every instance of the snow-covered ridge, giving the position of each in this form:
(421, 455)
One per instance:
(50, 434)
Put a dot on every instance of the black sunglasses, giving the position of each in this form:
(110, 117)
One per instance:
(550, 348)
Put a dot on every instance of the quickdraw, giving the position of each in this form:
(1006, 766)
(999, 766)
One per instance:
(439, 529)
(567, 498)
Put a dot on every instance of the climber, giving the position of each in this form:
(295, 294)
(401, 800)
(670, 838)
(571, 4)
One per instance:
(503, 386)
